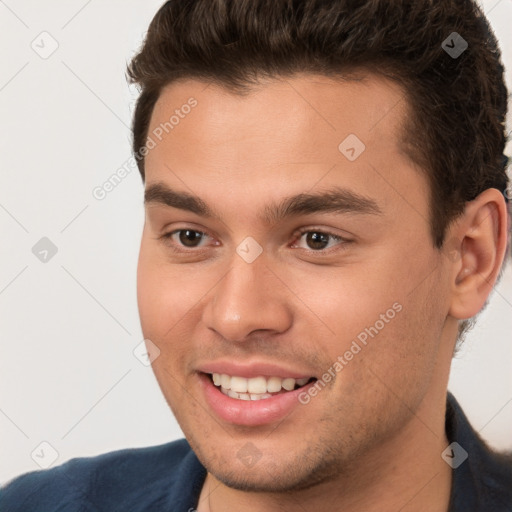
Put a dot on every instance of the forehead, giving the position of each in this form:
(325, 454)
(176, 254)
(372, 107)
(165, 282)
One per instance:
(283, 136)
(303, 110)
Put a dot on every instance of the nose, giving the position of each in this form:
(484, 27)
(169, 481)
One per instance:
(249, 298)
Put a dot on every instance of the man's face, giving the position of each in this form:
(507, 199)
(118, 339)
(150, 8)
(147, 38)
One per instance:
(258, 291)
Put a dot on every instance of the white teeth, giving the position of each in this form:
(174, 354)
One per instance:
(239, 384)
(256, 388)
(274, 384)
(257, 385)
(288, 384)
(245, 396)
(260, 397)
(225, 381)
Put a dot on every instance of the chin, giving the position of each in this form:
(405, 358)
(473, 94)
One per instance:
(277, 480)
(275, 471)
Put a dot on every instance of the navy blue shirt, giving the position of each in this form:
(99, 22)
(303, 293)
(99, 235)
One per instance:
(169, 478)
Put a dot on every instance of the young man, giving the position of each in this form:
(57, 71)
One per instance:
(326, 208)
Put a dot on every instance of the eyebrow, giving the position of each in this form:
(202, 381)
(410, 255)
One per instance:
(336, 200)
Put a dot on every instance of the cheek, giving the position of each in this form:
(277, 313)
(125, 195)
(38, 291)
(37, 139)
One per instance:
(162, 310)
(403, 354)
(348, 303)
(168, 295)
(157, 293)
(382, 325)
(148, 292)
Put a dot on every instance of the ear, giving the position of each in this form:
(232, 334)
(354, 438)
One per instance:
(477, 244)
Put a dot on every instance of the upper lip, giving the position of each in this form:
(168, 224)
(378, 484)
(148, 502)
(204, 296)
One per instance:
(250, 370)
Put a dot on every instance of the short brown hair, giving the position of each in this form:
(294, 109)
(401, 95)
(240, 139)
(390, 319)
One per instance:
(456, 130)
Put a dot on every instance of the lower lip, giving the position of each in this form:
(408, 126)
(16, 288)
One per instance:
(250, 412)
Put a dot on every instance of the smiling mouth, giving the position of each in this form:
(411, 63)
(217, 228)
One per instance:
(256, 388)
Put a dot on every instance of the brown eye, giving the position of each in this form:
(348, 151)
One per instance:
(316, 240)
(189, 237)
(184, 238)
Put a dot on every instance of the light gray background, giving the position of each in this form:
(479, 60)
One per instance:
(68, 375)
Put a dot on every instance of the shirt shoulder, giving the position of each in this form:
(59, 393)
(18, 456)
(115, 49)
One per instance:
(496, 472)
(482, 477)
(135, 479)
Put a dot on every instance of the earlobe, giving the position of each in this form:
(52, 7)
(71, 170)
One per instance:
(482, 230)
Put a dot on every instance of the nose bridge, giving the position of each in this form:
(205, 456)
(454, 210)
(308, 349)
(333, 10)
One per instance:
(248, 298)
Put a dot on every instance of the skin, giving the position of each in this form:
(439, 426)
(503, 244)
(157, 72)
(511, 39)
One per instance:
(373, 438)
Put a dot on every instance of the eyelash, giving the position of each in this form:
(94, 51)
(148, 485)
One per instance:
(167, 237)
